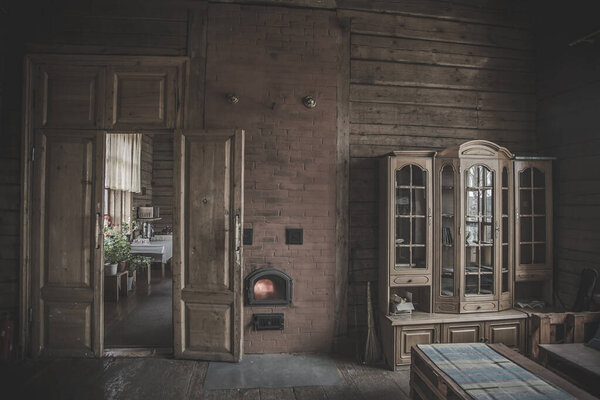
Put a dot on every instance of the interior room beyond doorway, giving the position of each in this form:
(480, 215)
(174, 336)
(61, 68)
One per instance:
(138, 241)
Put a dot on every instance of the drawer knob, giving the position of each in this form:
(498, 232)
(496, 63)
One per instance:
(478, 307)
(409, 281)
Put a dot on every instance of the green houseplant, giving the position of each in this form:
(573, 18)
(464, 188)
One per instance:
(116, 248)
(134, 262)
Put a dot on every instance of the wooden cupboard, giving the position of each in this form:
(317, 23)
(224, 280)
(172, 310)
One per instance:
(400, 333)
(533, 228)
(458, 228)
(406, 224)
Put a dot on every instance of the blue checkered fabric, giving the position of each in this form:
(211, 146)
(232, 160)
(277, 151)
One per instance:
(486, 375)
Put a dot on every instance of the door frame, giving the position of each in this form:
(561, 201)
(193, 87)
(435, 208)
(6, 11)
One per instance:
(30, 62)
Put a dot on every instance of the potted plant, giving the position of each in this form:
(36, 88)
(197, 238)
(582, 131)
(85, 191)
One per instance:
(116, 249)
(135, 261)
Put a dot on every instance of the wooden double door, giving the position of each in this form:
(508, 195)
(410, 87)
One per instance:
(64, 213)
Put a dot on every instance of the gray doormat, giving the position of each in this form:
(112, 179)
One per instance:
(272, 370)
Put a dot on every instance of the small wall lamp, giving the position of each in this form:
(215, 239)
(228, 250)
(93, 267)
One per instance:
(309, 102)
(232, 98)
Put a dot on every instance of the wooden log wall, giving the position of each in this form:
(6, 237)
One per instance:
(162, 180)
(568, 101)
(428, 75)
(144, 198)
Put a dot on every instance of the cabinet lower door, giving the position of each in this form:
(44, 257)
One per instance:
(510, 333)
(462, 333)
(407, 337)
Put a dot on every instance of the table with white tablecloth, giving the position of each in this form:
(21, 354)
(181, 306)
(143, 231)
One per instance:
(159, 248)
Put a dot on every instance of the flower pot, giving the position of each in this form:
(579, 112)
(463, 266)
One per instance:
(110, 269)
(129, 283)
(122, 266)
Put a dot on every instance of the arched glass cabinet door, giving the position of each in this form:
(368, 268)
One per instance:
(533, 198)
(479, 236)
(412, 214)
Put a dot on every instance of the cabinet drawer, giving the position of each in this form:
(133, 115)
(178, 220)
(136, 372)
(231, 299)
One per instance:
(480, 306)
(396, 280)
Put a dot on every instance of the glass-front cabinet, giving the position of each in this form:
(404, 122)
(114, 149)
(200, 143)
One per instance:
(406, 213)
(473, 235)
(533, 227)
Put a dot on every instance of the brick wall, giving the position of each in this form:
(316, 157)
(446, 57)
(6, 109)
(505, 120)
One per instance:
(271, 57)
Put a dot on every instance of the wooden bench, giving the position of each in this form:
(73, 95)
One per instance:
(560, 327)
(428, 381)
(115, 285)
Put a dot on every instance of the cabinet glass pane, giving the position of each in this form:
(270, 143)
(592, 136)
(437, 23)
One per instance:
(472, 232)
(504, 178)
(479, 231)
(525, 203)
(539, 201)
(411, 217)
(419, 176)
(487, 284)
(526, 233)
(419, 204)
(487, 202)
(525, 178)
(472, 284)
(505, 282)
(504, 201)
(402, 231)
(539, 178)
(505, 230)
(402, 201)
(539, 232)
(504, 257)
(448, 233)
(403, 176)
(419, 257)
(472, 202)
(419, 231)
(403, 257)
(526, 254)
(472, 258)
(447, 288)
(487, 231)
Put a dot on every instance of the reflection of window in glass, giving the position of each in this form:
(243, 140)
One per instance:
(479, 231)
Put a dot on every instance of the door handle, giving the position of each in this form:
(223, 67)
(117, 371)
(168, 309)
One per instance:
(238, 240)
(98, 230)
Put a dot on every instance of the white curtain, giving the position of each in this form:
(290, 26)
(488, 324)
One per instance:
(123, 162)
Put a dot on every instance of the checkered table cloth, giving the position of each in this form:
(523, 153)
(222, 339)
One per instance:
(486, 375)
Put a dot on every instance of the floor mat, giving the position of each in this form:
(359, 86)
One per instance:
(150, 324)
(273, 370)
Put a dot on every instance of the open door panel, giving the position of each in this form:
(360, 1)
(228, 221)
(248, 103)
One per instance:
(67, 243)
(207, 251)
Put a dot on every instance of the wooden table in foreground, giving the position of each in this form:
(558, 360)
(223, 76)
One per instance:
(428, 381)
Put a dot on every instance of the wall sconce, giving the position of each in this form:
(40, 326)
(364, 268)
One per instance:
(309, 102)
(232, 98)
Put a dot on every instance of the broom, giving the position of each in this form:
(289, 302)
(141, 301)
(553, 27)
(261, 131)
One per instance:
(372, 349)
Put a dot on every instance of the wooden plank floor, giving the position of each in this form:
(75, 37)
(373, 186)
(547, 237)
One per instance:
(161, 378)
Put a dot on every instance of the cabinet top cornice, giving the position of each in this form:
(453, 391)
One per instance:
(477, 149)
